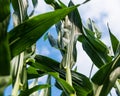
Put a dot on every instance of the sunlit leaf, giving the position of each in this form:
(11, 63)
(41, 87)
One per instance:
(36, 88)
(34, 73)
(96, 49)
(53, 3)
(46, 64)
(65, 86)
(93, 27)
(62, 4)
(105, 78)
(115, 43)
(27, 33)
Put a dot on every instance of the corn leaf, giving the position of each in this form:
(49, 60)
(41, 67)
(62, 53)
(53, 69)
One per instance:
(85, 1)
(96, 49)
(33, 89)
(75, 18)
(80, 81)
(15, 5)
(5, 10)
(27, 33)
(35, 2)
(65, 86)
(105, 78)
(4, 46)
(115, 43)
(34, 73)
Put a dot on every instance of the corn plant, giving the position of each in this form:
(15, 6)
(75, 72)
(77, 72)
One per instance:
(20, 63)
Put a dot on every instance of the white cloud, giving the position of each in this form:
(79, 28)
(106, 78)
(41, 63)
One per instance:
(103, 11)
(43, 79)
(83, 61)
(44, 51)
(42, 7)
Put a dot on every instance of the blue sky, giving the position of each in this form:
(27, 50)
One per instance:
(101, 11)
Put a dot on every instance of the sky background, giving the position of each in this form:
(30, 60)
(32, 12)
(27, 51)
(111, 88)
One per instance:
(101, 11)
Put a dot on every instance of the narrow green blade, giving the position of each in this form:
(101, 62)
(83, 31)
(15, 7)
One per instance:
(115, 43)
(36, 88)
(105, 78)
(80, 81)
(96, 49)
(27, 33)
(4, 46)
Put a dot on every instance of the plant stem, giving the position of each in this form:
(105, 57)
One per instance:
(17, 84)
(117, 86)
(68, 76)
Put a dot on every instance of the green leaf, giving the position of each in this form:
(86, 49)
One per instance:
(53, 3)
(4, 46)
(82, 84)
(66, 87)
(46, 64)
(92, 53)
(5, 9)
(49, 1)
(36, 88)
(115, 43)
(35, 2)
(62, 4)
(96, 49)
(81, 92)
(100, 76)
(75, 18)
(34, 73)
(15, 5)
(27, 33)
(85, 1)
(95, 41)
(105, 78)
(93, 27)
(46, 36)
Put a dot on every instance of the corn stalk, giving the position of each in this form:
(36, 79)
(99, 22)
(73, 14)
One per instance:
(19, 73)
